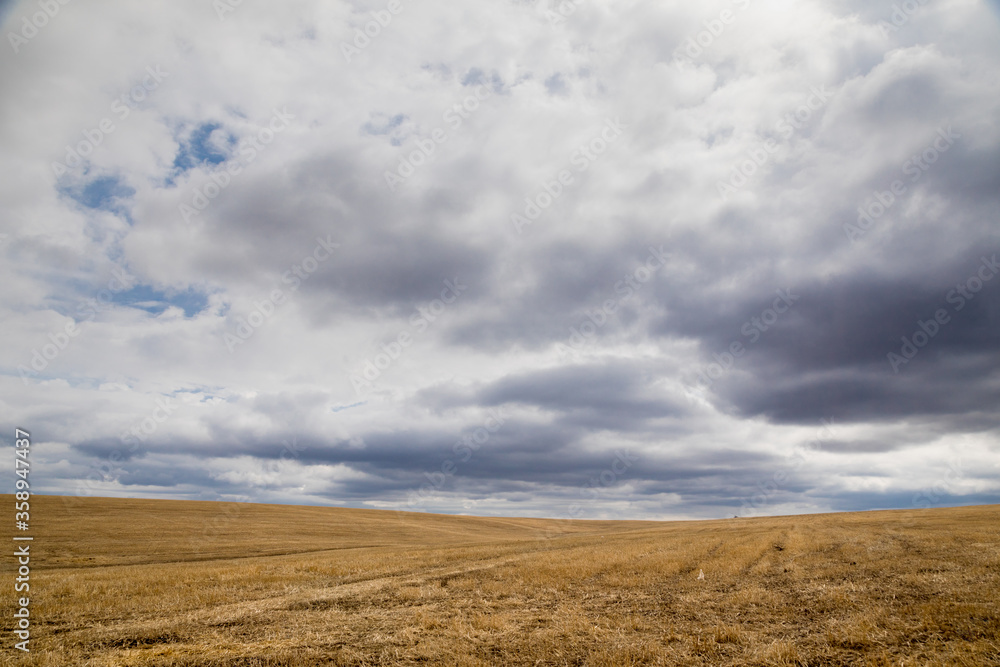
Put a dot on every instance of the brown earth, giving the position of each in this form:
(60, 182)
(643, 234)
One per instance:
(174, 583)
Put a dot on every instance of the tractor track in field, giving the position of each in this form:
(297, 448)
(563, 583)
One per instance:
(230, 613)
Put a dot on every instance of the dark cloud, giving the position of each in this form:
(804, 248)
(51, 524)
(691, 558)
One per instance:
(830, 357)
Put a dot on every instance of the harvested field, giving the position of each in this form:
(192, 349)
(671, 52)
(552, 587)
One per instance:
(169, 583)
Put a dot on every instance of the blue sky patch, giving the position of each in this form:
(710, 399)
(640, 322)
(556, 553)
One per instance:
(207, 144)
(383, 124)
(556, 85)
(101, 193)
(341, 408)
(145, 297)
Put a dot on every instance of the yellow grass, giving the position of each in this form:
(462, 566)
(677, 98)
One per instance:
(168, 583)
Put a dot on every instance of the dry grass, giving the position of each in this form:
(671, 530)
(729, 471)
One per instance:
(119, 582)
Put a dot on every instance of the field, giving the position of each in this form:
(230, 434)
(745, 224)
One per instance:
(171, 583)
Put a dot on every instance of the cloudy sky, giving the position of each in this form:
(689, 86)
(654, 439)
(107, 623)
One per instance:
(589, 259)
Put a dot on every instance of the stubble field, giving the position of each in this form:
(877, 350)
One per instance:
(171, 583)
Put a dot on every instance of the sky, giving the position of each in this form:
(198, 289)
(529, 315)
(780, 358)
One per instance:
(630, 260)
